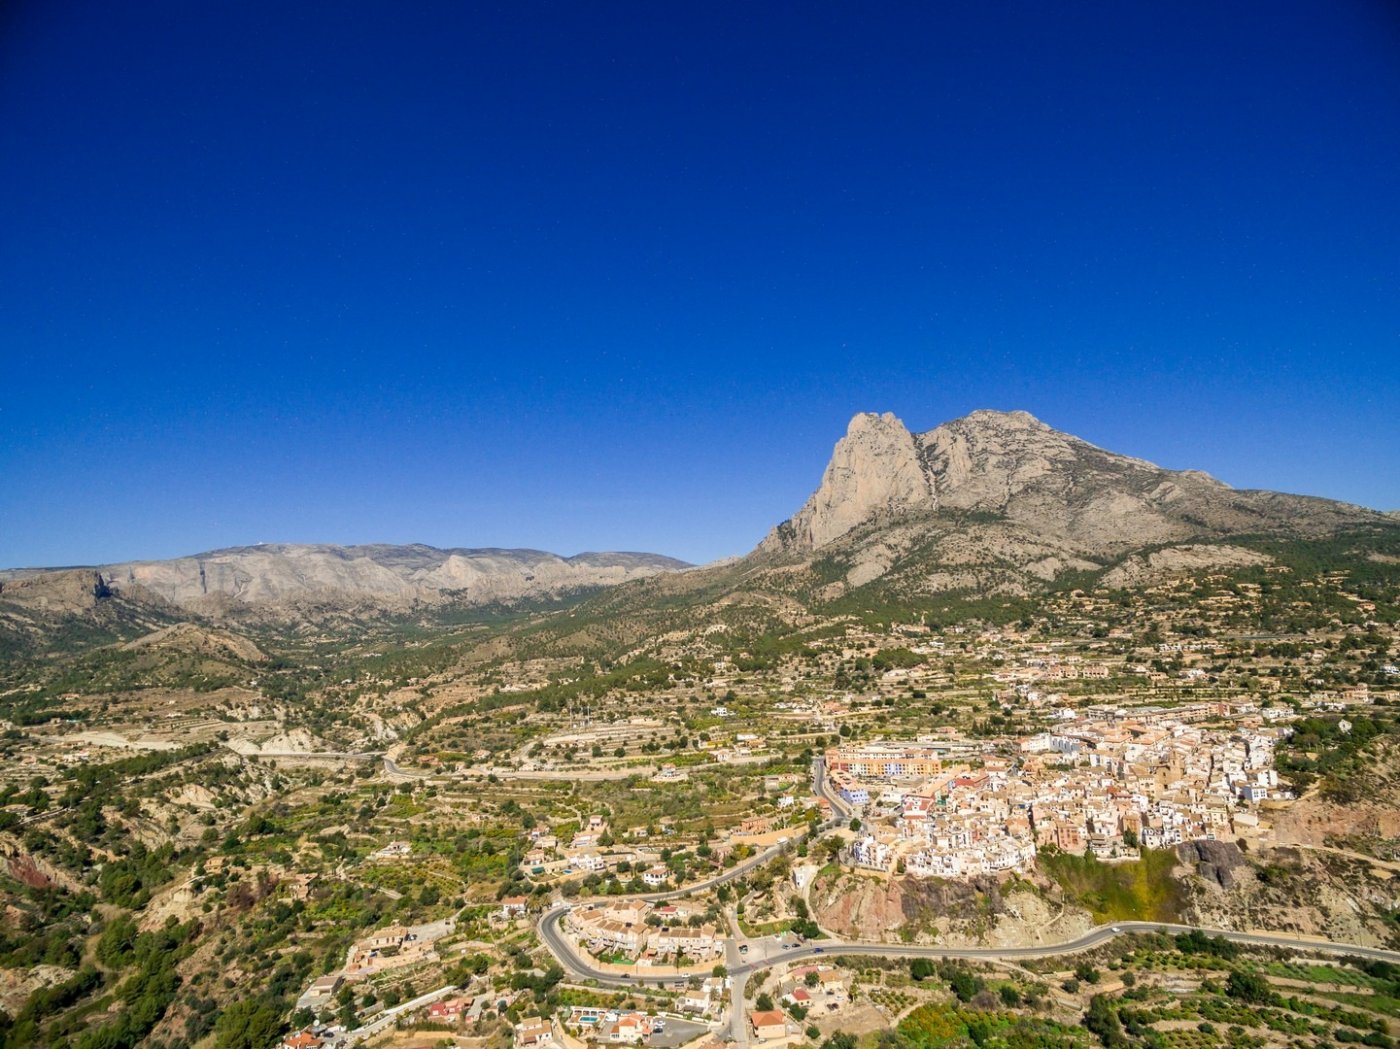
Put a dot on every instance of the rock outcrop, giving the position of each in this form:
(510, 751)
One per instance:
(855, 906)
(187, 637)
(57, 591)
(1160, 565)
(1214, 860)
(1010, 467)
(876, 471)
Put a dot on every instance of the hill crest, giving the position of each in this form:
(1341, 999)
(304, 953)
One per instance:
(1056, 486)
(278, 573)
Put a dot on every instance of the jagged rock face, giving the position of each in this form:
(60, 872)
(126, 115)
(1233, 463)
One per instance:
(875, 471)
(1215, 861)
(62, 590)
(1048, 484)
(1012, 464)
(279, 573)
(979, 461)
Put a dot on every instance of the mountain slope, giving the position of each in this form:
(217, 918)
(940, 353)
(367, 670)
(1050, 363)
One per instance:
(1011, 466)
(274, 574)
(992, 506)
(72, 609)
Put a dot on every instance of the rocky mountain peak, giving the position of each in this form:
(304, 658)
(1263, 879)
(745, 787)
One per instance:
(997, 420)
(875, 471)
(1050, 485)
(981, 461)
(863, 422)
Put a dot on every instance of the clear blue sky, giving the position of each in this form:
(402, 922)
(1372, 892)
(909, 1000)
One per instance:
(614, 276)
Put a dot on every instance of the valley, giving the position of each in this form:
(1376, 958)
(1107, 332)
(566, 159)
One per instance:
(1000, 737)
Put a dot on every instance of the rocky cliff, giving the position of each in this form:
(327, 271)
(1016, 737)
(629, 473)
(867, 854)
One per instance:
(38, 605)
(57, 591)
(876, 472)
(997, 501)
(1011, 466)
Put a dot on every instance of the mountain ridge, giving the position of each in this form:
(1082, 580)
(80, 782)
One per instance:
(1057, 485)
(992, 503)
(278, 573)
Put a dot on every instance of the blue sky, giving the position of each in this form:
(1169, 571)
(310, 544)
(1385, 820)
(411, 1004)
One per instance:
(616, 278)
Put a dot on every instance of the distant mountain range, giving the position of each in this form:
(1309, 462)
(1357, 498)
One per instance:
(992, 503)
(281, 573)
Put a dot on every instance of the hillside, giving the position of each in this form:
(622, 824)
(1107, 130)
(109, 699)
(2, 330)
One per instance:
(978, 517)
(386, 575)
(247, 782)
(998, 502)
(72, 609)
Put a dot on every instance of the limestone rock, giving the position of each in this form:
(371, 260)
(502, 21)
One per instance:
(1011, 467)
(1161, 565)
(385, 575)
(187, 637)
(60, 590)
(875, 472)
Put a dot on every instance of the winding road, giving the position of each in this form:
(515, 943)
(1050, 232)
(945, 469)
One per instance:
(394, 771)
(551, 932)
(557, 941)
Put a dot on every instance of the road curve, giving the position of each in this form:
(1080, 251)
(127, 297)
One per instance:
(739, 869)
(821, 786)
(393, 771)
(557, 941)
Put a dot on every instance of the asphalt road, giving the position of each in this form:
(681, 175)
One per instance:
(384, 1020)
(558, 943)
(741, 968)
(822, 786)
(557, 940)
(839, 807)
(391, 767)
(311, 755)
(1094, 938)
(677, 1033)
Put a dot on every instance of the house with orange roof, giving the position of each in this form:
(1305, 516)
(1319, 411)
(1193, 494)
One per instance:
(768, 1024)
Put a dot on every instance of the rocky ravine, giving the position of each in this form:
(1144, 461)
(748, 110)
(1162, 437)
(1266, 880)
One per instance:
(981, 912)
(1292, 890)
